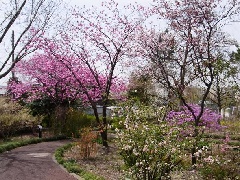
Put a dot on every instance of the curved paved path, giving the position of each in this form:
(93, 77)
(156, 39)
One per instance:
(33, 162)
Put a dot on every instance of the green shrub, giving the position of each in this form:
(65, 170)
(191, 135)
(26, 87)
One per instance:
(222, 162)
(77, 120)
(221, 166)
(232, 126)
(13, 117)
(116, 122)
(69, 121)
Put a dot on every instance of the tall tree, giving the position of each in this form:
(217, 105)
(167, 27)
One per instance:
(100, 38)
(225, 86)
(225, 83)
(185, 54)
(21, 22)
(49, 84)
(44, 76)
(59, 76)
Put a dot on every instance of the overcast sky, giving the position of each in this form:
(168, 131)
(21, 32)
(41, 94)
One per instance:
(233, 30)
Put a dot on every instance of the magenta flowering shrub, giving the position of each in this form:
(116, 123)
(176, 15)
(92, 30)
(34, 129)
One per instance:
(184, 117)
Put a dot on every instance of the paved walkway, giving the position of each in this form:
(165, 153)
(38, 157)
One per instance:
(33, 162)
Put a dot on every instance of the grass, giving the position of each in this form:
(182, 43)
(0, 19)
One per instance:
(72, 166)
(7, 146)
(232, 126)
(232, 129)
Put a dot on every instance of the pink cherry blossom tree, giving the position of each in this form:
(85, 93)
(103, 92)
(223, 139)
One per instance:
(101, 38)
(43, 76)
(46, 76)
(186, 52)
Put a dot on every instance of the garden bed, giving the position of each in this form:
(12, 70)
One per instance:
(109, 165)
(104, 163)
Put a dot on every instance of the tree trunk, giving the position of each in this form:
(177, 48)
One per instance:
(104, 138)
(194, 158)
(104, 128)
(195, 145)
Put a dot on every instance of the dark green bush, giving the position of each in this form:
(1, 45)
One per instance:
(76, 120)
(224, 164)
(69, 121)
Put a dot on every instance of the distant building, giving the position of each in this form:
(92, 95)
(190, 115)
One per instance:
(110, 110)
(3, 90)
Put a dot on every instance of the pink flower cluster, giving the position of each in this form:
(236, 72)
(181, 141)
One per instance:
(48, 75)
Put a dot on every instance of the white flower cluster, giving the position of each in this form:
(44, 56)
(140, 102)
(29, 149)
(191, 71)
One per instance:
(200, 152)
(209, 159)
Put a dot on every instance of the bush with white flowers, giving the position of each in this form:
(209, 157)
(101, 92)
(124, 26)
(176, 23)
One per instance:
(149, 146)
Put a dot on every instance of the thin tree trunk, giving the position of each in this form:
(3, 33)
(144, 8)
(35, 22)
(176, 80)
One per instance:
(194, 148)
(104, 138)
(104, 128)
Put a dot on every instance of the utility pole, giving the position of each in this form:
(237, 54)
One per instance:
(13, 58)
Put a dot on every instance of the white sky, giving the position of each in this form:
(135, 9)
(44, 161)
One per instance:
(233, 30)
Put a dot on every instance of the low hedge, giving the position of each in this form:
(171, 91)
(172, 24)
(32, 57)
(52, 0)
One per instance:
(7, 146)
